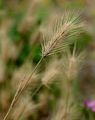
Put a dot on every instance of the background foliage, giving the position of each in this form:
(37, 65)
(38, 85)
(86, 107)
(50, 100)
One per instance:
(20, 51)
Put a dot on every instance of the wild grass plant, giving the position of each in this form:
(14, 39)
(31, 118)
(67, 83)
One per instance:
(41, 63)
(58, 36)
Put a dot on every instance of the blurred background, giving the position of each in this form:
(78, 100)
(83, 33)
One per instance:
(20, 51)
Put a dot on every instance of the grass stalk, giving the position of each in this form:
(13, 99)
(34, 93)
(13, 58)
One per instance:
(20, 91)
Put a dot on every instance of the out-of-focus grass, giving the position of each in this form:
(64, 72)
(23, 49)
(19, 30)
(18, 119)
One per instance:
(21, 44)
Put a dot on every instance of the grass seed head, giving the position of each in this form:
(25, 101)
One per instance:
(61, 31)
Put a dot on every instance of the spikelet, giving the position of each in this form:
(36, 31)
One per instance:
(72, 63)
(24, 108)
(67, 107)
(51, 73)
(25, 71)
(61, 31)
(72, 113)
